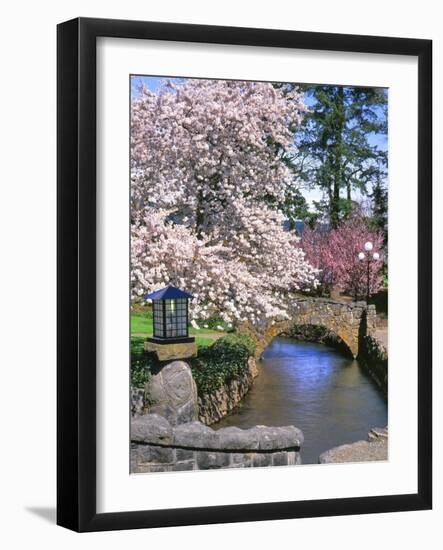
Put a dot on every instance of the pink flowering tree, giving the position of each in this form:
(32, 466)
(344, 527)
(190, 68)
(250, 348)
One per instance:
(206, 164)
(335, 253)
(316, 245)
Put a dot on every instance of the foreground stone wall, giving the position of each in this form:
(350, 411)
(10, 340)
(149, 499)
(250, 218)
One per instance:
(214, 406)
(157, 446)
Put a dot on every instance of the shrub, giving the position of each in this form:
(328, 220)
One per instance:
(219, 363)
(141, 363)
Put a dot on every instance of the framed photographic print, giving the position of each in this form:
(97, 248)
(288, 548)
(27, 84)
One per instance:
(244, 274)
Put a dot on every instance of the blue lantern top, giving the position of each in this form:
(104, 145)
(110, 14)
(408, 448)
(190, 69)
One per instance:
(168, 293)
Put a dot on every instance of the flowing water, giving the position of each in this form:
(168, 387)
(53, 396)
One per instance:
(317, 389)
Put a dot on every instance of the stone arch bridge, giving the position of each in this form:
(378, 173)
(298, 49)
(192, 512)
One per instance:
(349, 321)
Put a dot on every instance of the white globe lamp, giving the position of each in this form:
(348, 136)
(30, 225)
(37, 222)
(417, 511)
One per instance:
(368, 246)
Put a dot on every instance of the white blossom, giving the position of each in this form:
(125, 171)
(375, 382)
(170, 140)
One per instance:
(204, 175)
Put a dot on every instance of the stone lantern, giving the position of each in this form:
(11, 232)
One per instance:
(170, 339)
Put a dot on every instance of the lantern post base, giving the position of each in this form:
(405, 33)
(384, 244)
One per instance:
(168, 350)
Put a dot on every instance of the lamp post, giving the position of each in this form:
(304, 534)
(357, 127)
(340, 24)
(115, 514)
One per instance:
(369, 258)
(170, 315)
(170, 339)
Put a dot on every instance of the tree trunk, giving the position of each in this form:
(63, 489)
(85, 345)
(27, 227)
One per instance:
(335, 204)
(339, 120)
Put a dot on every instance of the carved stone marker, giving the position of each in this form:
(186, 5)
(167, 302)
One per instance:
(172, 393)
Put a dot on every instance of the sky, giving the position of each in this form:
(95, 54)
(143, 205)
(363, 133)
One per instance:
(153, 83)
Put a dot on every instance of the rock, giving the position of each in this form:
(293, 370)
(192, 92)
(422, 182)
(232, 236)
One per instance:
(195, 435)
(360, 451)
(241, 460)
(234, 438)
(184, 455)
(283, 437)
(183, 466)
(209, 460)
(172, 393)
(374, 359)
(260, 460)
(169, 352)
(280, 459)
(377, 433)
(293, 458)
(151, 453)
(374, 449)
(155, 468)
(151, 428)
(137, 401)
(252, 367)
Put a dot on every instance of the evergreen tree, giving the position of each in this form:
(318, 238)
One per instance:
(333, 147)
(379, 198)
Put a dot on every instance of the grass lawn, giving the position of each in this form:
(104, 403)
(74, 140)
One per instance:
(141, 327)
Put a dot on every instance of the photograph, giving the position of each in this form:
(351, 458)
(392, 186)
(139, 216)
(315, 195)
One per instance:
(258, 273)
(230, 225)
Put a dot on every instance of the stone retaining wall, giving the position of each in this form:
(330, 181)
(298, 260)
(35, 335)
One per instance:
(374, 358)
(157, 446)
(214, 406)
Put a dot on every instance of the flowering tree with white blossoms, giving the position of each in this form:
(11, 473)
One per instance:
(207, 180)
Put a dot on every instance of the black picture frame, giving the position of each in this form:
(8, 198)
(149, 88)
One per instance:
(76, 281)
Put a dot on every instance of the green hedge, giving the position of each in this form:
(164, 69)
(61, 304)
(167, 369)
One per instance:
(215, 365)
(141, 363)
(221, 362)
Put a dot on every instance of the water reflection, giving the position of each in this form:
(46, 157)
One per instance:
(315, 388)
